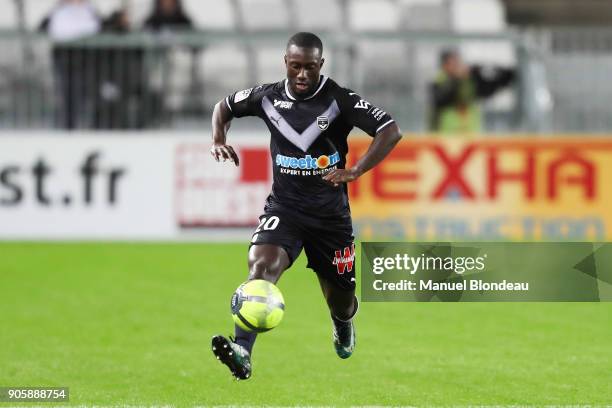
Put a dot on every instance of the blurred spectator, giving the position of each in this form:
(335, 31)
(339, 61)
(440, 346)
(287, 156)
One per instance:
(168, 14)
(117, 22)
(72, 20)
(121, 80)
(456, 90)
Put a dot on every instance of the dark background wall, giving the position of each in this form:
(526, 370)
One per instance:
(559, 12)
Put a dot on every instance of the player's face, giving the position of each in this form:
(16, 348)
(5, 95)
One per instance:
(303, 69)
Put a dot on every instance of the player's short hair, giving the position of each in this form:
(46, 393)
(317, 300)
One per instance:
(306, 40)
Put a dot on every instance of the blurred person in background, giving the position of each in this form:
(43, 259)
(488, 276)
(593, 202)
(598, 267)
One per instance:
(121, 80)
(456, 90)
(72, 20)
(168, 15)
(117, 22)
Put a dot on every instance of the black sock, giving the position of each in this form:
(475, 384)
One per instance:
(244, 338)
(340, 321)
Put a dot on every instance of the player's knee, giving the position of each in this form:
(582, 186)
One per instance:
(264, 269)
(267, 262)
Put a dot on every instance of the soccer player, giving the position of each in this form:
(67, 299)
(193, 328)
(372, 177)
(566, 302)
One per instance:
(309, 117)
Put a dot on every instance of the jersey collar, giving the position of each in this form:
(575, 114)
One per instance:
(321, 85)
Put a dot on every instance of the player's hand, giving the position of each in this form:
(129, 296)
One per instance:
(338, 176)
(224, 152)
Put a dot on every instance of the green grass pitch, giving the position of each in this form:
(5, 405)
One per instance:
(130, 324)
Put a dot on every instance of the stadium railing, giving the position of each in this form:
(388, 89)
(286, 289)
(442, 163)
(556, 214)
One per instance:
(142, 80)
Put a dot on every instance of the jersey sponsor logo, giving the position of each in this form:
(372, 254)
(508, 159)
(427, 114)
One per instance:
(242, 95)
(362, 104)
(282, 104)
(322, 122)
(344, 259)
(308, 162)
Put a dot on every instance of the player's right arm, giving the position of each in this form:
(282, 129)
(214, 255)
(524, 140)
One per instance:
(243, 103)
(221, 121)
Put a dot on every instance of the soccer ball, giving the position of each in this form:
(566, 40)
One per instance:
(257, 306)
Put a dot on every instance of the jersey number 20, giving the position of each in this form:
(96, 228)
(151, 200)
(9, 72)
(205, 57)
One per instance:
(267, 224)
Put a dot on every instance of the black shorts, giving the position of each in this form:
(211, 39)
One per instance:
(328, 242)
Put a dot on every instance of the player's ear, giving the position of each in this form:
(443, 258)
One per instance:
(285, 58)
(321, 63)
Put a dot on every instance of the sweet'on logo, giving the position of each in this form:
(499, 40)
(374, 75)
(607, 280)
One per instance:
(308, 162)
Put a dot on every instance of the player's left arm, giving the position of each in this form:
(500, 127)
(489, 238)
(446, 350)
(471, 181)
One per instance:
(377, 123)
(382, 144)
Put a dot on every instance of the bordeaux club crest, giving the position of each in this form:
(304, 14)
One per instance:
(322, 122)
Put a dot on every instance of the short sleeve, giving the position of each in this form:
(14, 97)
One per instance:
(245, 102)
(360, 113)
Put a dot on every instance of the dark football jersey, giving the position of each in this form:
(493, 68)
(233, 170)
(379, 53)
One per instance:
(308, 139)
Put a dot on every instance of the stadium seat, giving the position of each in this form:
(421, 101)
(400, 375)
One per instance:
(223, 69)
(478, 16)
(386, 68)
(373, 15)
(265, 14)
(316, 15)
(8, 17)
(270, 66)
(433, 15)
(219, 16)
